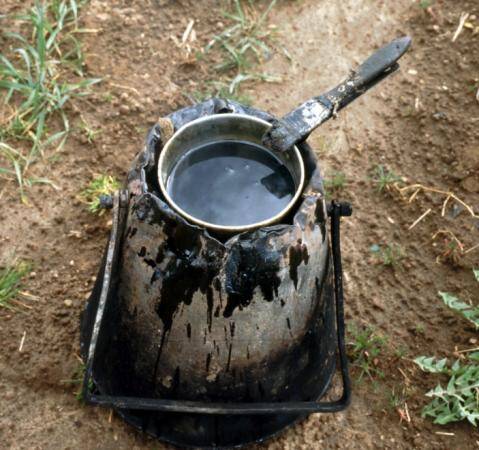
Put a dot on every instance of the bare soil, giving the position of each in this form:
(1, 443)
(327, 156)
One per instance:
(423, 124)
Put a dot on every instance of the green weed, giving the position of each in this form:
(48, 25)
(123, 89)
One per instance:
(11, 282)
(108, 97)
(35, 76)
(99, 186)
(246, 41)
(335, 182)
(242, 45)
(384, 179)
(388, 255)
(364, 351)
(469, 312)
(459, 399)
(397, 397)
(419, 328)
(424, 4)
(89, 132)
(401, 352)
(222, 90)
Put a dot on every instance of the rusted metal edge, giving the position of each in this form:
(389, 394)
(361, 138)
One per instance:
(120, 200)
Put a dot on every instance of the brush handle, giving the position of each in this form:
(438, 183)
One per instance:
(296, 126)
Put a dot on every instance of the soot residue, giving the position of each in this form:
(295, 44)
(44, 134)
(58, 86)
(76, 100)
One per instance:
(228, 364)
(320, 217)
(297, 254)
(208, 362)
(250, 264)
(191, 267)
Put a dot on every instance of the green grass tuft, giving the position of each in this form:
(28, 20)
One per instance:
(101, 185)
(242, 46)
(364, 351)
(36, 76)
(335, 182)
(11, 282)
(389, 255)
(384, 179)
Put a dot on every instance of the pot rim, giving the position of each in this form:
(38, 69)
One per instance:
(226, 228)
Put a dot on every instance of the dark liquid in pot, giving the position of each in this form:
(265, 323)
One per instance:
(231, 183)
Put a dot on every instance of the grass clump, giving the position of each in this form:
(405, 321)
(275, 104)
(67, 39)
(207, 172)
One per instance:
(36, 76)
(89, 132)
(389, 255)
(246, 41)
(384, 179)
(221, 89)
(335, 182)
(11, 282)
(242, 46)
(364, 351)
(459, 399)
(102, 185)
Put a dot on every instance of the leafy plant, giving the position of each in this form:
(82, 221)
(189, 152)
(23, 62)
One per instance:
(459, 399)
(388, 255)
(384, 179)
(98, 187)
(466, 310)
(365, 348)
(11, 282)
(89, 132)
(36, 77)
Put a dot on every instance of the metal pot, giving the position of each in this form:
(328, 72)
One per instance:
(221, 128)
(211, 337)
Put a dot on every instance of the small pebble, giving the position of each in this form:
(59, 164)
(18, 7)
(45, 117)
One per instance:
(124, 109)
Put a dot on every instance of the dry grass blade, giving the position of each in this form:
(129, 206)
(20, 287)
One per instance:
(417, 188)
(462, 21)
(453, 249)
(421, 217)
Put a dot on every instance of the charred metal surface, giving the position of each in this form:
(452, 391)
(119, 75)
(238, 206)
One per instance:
(298, 124)
(298, 254)
(250, 266)
(199, 317)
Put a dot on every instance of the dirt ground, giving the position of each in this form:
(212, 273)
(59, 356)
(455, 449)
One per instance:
(422, 124)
